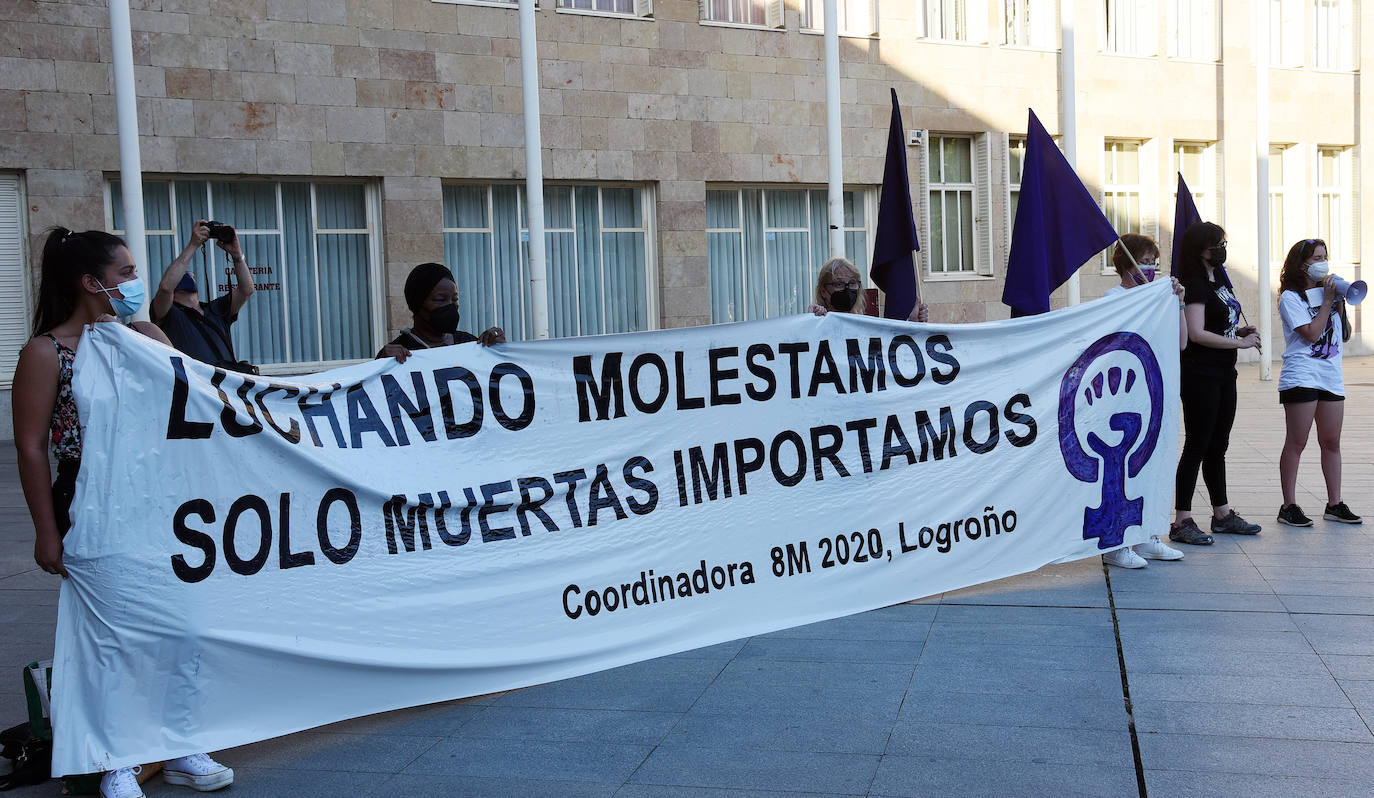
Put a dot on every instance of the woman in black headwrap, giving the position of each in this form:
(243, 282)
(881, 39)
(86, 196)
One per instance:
(432, 296)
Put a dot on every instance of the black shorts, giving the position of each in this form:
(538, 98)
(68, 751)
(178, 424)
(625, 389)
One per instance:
(1293, 396)
(63, 491)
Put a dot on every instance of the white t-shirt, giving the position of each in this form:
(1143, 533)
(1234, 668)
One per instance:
(1305, 364)
(1114, 290)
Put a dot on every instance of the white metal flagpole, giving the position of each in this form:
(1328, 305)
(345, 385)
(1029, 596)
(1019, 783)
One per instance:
(130, 163)
(834, 153)
(1069, 123)
(1262, 181)
(534, 171)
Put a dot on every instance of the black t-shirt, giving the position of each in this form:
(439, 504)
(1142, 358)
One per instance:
(204, 337)
(1221, 315)
(414, 342)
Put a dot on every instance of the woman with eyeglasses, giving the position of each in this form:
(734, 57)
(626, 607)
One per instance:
(839, 289)
(1207, 382)
(1136, 259)
(1310, 386)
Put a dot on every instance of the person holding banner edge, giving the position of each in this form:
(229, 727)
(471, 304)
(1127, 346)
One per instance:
(1207, 383)
(432, 296)
(1310, 385)
(840, 289)
(85, 278)
(1136, 260)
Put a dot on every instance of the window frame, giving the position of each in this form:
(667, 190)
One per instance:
(1206, 187)
(1341, 239)
(868, 195)
(1278, 222)
(643, 10)
(1343, 26)
(774, 17)
(15, 282)
(975, 25)
(981, 192)
(841, 5)
(647, 202)
(1148, 222)
(1004, 19)
(376, 267)
(1145, 42)
(1178, 13)
(512, 4)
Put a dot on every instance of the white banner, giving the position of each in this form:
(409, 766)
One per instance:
(253, 556)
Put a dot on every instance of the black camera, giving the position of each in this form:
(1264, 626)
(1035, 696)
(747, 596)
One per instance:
(221, 232)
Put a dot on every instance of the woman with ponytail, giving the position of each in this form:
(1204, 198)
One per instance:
(85, 278)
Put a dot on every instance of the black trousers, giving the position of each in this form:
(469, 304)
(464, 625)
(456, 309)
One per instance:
(1209, 410)
(63, 490)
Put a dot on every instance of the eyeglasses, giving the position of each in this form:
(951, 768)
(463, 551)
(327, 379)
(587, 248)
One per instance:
(1222, 245)
(836, 285)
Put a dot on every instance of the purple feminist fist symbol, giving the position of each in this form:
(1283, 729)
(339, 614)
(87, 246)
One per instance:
(1117, 513)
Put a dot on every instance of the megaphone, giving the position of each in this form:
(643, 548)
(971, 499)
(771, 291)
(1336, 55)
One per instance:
(1354, 293)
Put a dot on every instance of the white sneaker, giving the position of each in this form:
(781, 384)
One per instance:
(1154, 549)
(122, 783)
(1124, 558)
(199, 772)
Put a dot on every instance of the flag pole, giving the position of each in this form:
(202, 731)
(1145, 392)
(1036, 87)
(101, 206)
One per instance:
(1068, 97)
(834, 153)
(1262, 185)
(534, 172)
(130, 161)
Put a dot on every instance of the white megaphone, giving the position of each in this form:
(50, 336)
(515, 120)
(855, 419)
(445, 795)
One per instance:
(1354, 293)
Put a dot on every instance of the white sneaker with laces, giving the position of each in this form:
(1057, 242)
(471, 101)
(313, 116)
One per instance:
(1155, 549)
(1124, 558)
(199, 772)
(122, 783)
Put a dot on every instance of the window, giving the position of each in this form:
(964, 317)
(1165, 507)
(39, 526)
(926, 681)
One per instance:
(764, 13)
(1196, 162)
(857, 17)
(957, 235)
(14, 278)
(597, 247)
(1193, 29)
(1121, 187)
(314, 252)
(1016, 163)
(1278, 240)
(1128, 27)
(766, 246)
(1030, 23)
(1332, 43)
(1285, 33)
(956, 21)
(637, 8)
(1334, 210)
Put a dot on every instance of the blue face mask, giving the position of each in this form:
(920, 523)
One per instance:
(132, 300)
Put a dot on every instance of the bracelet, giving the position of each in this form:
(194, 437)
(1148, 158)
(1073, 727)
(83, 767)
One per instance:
(238, 259)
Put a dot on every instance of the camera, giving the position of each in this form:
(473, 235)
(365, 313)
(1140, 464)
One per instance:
(221, 232)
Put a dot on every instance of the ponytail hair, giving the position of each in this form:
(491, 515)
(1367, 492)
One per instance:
(67, 257)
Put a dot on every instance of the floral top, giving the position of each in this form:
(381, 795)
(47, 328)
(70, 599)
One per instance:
(66, 427)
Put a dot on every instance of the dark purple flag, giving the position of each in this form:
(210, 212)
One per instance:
(1058, 226)
(1185, 216)
(894, 269)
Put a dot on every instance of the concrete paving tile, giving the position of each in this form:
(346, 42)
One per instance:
(1298, 691)
(447, 786)
(925, 776)
(1360, 692)
(1251, 755)
(963, 678)
(258, 782)
(747, 686)
(720, 653)
(1214, 639)
(990, 655)
(1196, 784)
(678, 791)
(1302, 573)
(689, 766)
(1207, 621)
(830, 650)
(1012, 743)
(1161, 579)
(1345, 666)
(1334, 634)
(867, 626)
(666, 684)
(431, 720)
(1058, 712)
(1024, 616)
(590, 760)
(37, 597)
(1008, 634)
(353, 753)
(570, 725)
(1349, 559)
(1250, 720)
(1329, 605)
(1288, 587)
(1222, 663)
(860, 730)
(1190, 600)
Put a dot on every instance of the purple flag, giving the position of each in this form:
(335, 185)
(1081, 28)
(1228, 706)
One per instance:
(1058, 226)
(1185, 216)
(894, 269)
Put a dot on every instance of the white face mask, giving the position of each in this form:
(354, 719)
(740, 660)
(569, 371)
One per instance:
(1318, 271)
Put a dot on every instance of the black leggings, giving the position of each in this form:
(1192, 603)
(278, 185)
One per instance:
(63, 490)
(1209, 410)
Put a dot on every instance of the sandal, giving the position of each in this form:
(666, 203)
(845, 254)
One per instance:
(1187, 532)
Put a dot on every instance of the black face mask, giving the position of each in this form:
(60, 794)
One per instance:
(844, 300)
(1218, 254)
(444, 319)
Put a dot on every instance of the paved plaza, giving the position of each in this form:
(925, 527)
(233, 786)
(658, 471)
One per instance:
(1247, 669)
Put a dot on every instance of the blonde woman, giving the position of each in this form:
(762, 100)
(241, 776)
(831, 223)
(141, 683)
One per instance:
(840, 289)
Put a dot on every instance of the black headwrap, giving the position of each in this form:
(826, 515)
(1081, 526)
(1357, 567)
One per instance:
(422, 280)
